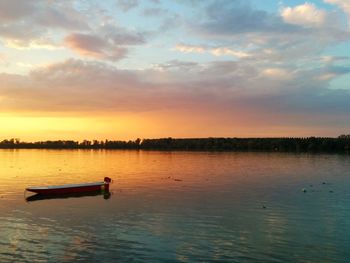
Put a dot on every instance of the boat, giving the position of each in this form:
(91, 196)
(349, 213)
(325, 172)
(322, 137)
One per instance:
(72, 188)
(39, 197)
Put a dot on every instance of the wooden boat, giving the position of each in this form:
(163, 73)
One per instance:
(72, 188)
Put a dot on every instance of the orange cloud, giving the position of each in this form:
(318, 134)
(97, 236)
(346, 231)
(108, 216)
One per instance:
(224, 98)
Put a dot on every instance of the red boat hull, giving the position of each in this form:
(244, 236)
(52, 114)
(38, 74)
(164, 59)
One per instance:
(72, 189)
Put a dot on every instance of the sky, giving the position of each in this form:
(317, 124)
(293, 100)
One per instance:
(123, 69)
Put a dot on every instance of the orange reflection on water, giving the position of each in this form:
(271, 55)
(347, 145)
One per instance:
(129, 169)
(174, 205)
(132, 170)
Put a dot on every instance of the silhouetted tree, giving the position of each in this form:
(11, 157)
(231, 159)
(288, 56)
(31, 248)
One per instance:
(311, 144)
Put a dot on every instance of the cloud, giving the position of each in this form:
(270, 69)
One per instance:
(122, 36)
(343, 4)
(305, 15)
(177, 65)
(94, 46)
(236, 17)
(298, 33)
(277, 73)
(220, 51)
(60, 15)
(67, 86)
(273, 63)
(108, 42)
(189, 48)
(216, 51)
(127, 5)
(39, 43)
(55, 25)
(13, 10)
(225, 86)
(19, 33)
(42, 16)
(42, 13)
(239, 94)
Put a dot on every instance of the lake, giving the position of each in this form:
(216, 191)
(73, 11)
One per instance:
(177, 207)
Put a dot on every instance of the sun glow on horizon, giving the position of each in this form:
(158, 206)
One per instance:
(130, 126)
(149, 69)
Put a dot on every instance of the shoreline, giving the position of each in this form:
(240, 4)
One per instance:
(296, 145)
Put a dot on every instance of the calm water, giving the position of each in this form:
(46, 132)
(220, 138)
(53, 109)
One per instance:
(177, 207)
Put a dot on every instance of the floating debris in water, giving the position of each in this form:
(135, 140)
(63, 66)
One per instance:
(264, 207)
(323, 182)
(331, 191)
(177, 180)
(304, 190)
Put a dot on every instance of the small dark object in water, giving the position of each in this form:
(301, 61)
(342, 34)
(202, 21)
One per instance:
(264, 207)
(331, 191)
(323, 182)
(304, 190)
(178, 180)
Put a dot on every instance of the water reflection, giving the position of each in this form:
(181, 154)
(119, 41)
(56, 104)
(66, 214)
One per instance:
(176, 207)
(37, 197)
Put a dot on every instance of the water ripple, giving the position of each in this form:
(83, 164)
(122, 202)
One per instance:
(177, 207)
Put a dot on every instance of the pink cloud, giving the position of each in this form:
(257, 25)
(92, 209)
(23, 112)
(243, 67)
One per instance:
(93, 46)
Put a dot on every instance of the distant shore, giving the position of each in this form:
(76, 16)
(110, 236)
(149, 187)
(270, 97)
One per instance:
(307, 144)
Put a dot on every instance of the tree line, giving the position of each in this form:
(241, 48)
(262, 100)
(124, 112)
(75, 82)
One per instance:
(307, 144)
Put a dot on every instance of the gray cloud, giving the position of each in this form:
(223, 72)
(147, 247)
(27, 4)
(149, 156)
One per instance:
(60, 15)
(107, 42)
(13, 10)
(25, 21)
(237, 24)
(42, 13)
(225, 87)
(121, 36)
(237, 16)
(49, 19)
(19, 32)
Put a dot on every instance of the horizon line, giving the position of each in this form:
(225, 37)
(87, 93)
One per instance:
(18, 140)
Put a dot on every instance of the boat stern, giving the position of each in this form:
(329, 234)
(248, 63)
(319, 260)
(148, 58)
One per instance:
(105, 186)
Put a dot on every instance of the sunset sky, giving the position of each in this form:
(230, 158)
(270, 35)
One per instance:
(119, 69)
